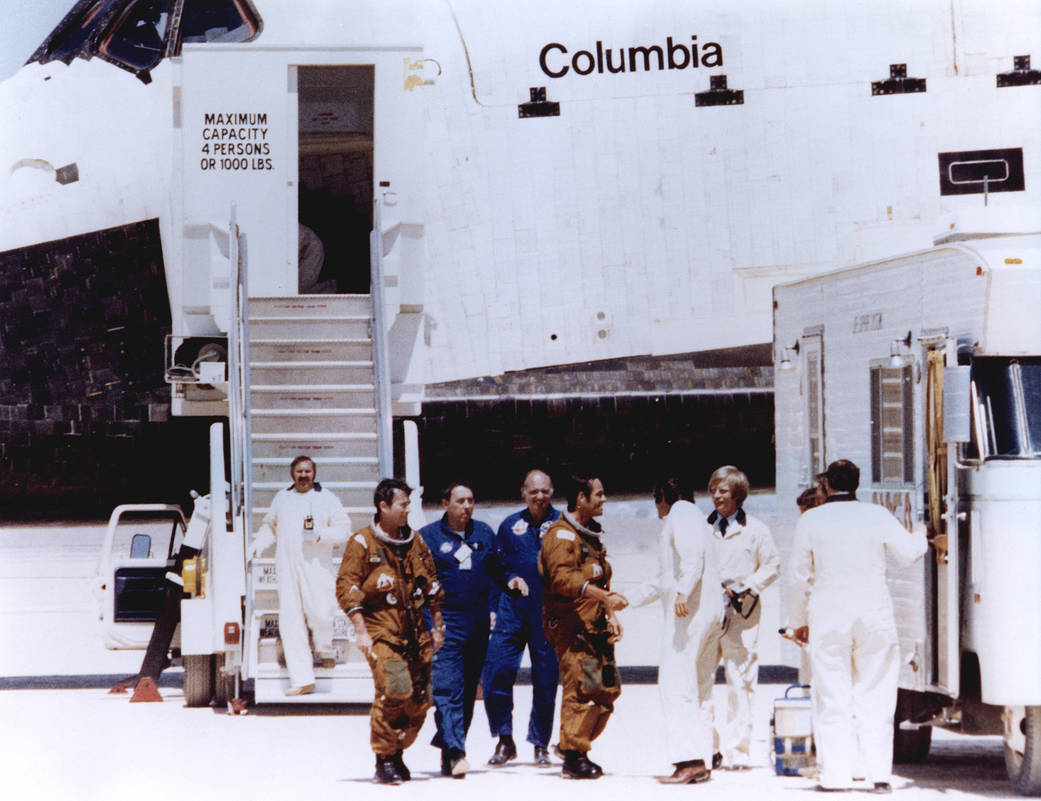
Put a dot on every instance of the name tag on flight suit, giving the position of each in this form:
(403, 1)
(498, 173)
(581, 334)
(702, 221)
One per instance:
(463, 557)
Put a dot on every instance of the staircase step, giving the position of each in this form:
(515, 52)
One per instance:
(330, 396)
(310, 373)
(316, 421)
(355, 469)
(311, 306)
(309, 328)
(318, 446)
(316, 350)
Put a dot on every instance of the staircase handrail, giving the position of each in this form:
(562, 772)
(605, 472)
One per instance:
(238, 375)
(380, 355)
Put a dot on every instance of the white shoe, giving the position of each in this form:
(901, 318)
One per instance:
(305, 689)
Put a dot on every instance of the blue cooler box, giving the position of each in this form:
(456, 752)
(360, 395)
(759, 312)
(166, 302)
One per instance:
(792, 729)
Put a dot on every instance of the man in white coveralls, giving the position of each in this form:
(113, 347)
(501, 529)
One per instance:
(688, 587)
(840, 605)
(303, 522)
(748, 564)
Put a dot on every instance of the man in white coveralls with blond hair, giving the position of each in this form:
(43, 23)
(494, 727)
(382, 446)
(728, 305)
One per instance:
(688, 587)
(840, 605)
(748, 564)
(304, 521)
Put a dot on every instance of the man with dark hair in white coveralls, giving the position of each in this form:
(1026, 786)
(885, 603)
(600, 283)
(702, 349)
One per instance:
(840, 605)
(688, 587)
(303, 523)
(518, 622)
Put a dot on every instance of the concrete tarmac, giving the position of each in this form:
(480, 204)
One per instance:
(82, 743)
(90, 746)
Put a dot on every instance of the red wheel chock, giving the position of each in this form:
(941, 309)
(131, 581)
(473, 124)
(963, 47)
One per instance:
(146, 690)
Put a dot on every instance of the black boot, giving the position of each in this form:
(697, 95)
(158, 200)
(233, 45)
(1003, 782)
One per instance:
(578, 766)
(505, 750)
(400, 767)
(386, 773)
(542, 757)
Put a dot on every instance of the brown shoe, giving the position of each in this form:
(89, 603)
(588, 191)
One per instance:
(305, 689)
(688, 773)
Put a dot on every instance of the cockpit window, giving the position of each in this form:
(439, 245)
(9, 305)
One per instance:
(137, 34)
(218, 21)
(73, 33)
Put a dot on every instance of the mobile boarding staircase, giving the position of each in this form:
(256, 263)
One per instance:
(312, 390)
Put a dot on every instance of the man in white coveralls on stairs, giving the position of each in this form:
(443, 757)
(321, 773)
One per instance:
(840, 605)
(688, 587)
(304, 521)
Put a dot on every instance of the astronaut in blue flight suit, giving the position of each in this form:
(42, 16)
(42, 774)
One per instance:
(518, 623)
(467, 560)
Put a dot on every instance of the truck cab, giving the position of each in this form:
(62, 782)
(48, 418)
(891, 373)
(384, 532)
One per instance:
(139, 548)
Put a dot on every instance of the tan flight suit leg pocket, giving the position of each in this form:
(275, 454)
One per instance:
(592, 677)
(398, 680)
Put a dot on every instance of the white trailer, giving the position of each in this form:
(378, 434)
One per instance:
(925, 370)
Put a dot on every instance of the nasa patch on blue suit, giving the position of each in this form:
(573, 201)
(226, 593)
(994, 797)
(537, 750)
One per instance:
(467, 566)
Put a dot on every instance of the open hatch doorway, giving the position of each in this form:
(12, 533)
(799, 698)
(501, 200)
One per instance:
(334, 201)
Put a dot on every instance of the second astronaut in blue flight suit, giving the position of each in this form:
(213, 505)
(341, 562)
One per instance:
(518, 624)
(468, 567)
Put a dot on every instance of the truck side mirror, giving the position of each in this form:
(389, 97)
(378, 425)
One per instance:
(957, 420)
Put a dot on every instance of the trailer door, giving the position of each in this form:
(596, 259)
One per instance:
(943, 531)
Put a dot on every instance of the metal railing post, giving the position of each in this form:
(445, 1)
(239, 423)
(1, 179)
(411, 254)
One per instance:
(380, 355)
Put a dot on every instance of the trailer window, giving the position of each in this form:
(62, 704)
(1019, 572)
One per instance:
(1008, 393)
(814, 371)
(892, 424)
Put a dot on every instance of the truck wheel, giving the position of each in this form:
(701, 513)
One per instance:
(911, 745)
(223, 686)
(1023, 748)
(198, 679)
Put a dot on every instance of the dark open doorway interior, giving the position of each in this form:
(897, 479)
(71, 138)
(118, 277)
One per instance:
(335, 177)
